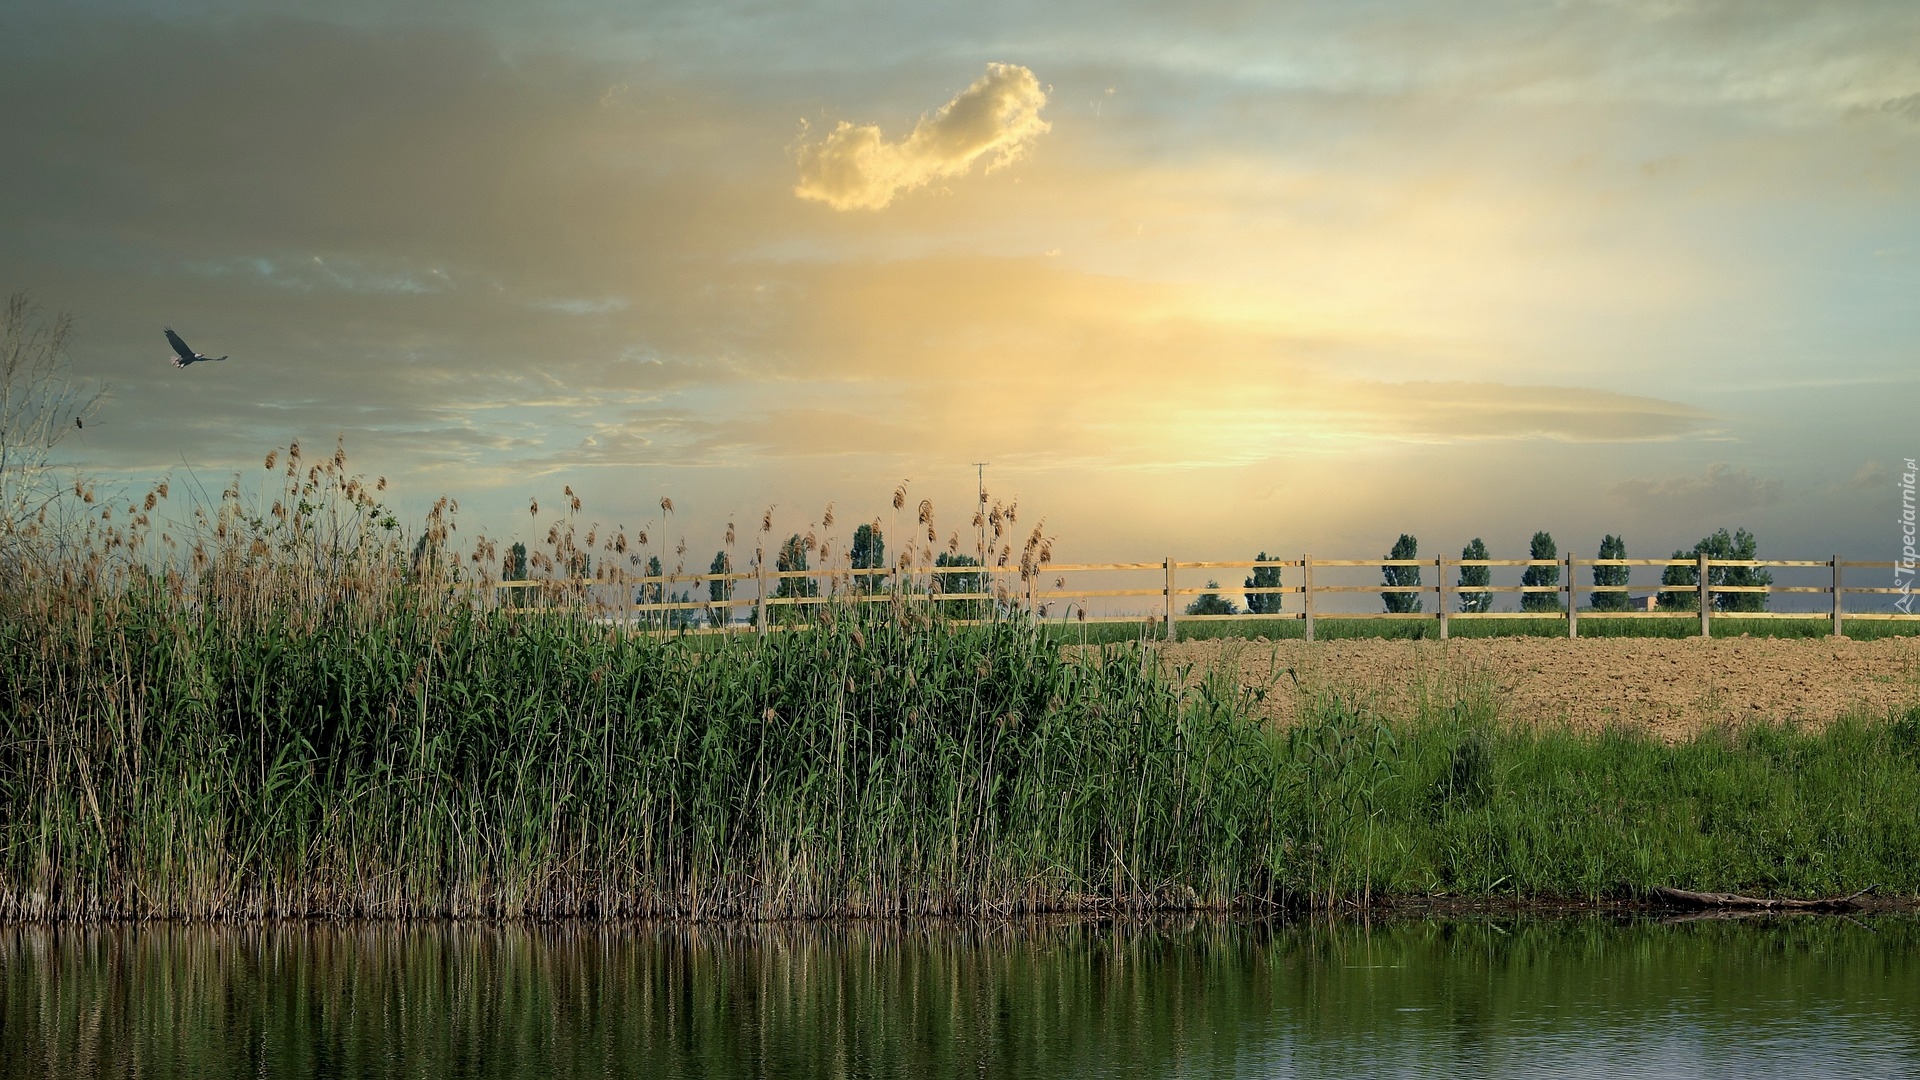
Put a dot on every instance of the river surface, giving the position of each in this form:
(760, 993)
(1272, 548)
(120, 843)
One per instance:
(1796, 996)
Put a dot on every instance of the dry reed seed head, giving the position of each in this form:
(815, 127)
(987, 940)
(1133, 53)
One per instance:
(643, 537)
(766, 520)
(953, 544)
(575, 504)
(293, 449)
(729, 534)
(926, 511)
(932, 536)
(666, 505)
(620, 543)
(826, 518)
(380, 484)
(533, 507)
(681, 547)
(900, 496)
(273, 456)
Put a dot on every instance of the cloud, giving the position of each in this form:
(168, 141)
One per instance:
(1465, 411)
(1907, 108)
(1871, 476)
(1722, 490)
(855, 168)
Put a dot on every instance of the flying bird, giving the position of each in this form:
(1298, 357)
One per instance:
(184, 355)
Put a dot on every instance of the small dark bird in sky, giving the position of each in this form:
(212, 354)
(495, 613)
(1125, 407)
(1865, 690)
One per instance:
(77, 423)
(184, 355)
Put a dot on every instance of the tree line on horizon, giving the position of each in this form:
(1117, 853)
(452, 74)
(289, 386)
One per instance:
(1680, 584)
(1679, 592)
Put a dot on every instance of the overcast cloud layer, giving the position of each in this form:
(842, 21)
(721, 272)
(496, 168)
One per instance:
(1292, 277)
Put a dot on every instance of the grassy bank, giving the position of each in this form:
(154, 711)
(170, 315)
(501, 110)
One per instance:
(400, 756)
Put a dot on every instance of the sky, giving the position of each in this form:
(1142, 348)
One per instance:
(1199, 280)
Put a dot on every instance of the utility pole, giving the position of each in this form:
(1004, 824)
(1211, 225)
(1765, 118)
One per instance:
(980, 507)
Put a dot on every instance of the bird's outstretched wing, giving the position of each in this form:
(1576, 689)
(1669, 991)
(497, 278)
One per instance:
(184, 355)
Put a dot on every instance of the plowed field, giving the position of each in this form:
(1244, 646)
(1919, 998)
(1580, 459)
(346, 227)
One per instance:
(1670, 687)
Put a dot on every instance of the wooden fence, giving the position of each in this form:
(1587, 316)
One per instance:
(1001, 590)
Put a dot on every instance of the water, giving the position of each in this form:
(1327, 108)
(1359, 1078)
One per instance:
(1800, 996)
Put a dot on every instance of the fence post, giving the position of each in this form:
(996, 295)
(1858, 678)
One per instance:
(1838, 613)
(1573, 604)
(1306, 590)
(1440, 593)
(1706, 600)
(1170, 631)
(766, 613)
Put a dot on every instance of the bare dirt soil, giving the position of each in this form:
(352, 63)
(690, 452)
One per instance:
(1671, 688)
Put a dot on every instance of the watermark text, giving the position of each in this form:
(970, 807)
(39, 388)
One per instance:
(1903, 569)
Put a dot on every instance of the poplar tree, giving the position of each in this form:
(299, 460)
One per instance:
(719, 590)
(1739, 545)
(1475, 576)
(1264, 577)
(1402, 603)
(1611, 547)
(793, 556)
(869, 552)
(1541, 547)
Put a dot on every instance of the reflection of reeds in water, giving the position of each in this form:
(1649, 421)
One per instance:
(1056, 998)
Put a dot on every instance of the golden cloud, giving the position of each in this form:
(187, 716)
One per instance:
(855, 168)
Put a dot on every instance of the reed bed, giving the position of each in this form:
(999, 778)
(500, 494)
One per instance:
(296, 712)
(448, 762)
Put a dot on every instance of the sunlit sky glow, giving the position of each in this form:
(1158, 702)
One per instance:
(1194, 279)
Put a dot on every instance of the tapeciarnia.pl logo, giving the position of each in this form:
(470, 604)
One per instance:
(1903, 570)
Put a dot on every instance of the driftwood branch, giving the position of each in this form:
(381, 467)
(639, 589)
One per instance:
(1689, 899)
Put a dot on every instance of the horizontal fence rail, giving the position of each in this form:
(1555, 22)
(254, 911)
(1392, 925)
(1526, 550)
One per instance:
(982, 593)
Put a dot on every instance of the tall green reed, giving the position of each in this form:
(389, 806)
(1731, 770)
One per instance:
(291, 710)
